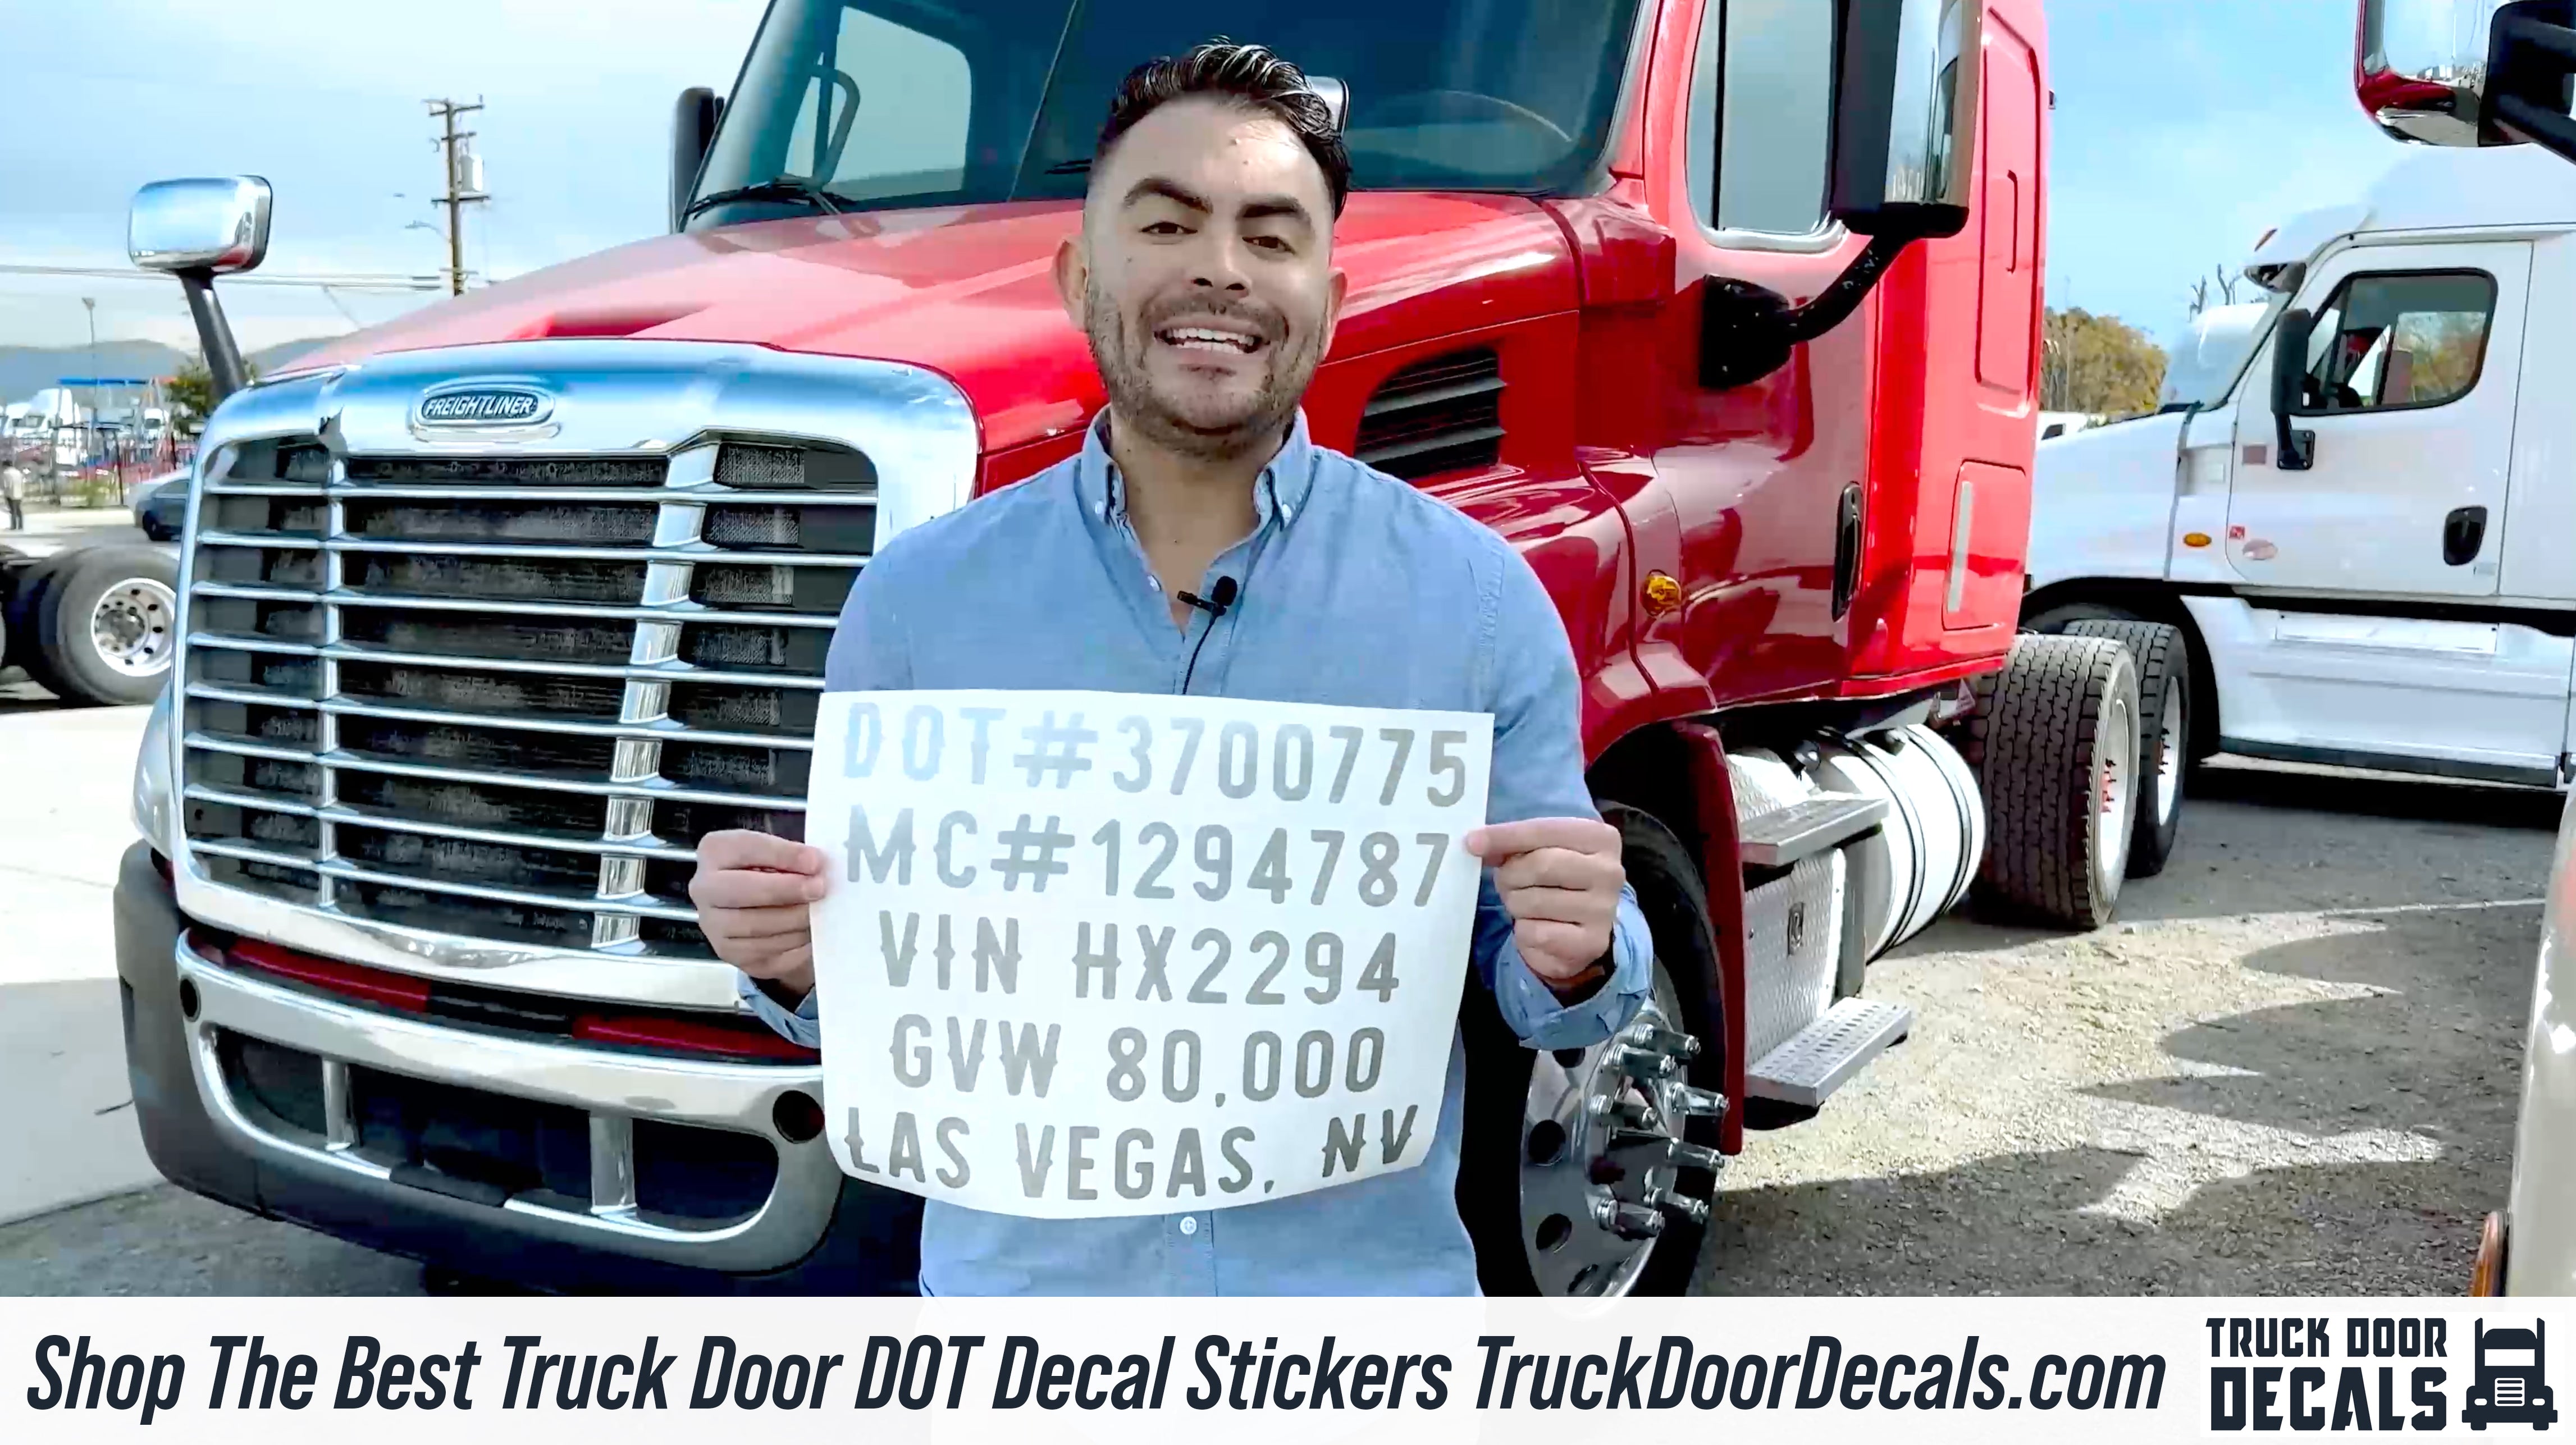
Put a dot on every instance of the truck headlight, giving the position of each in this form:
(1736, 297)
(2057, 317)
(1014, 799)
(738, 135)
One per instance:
(152, 777)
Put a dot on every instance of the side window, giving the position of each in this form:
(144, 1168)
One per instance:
(887, 116)
(1761, 122)
(2399, 340)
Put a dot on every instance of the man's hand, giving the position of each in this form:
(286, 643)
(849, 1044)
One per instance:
(1560, 880)
(753, 891)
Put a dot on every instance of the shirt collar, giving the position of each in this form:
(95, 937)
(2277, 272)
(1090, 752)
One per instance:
(1282, 489)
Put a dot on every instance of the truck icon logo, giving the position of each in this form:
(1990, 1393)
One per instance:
(2510, 1384)
(480, 406)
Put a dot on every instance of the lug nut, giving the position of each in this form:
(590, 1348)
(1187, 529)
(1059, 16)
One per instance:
(1628, 1221)
(1696, 1156)
(1694, 1210)
(1617, 1109)
(1697, 1101)
(1644, 1063)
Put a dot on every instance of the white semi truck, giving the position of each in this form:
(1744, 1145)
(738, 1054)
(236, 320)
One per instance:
(2355, 504)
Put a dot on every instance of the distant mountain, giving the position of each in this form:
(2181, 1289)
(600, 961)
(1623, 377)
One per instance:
(26, 370)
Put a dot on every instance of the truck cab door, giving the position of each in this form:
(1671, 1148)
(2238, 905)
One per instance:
(2357, 634)
(2414, 367)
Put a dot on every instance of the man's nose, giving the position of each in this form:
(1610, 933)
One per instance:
(1220, 265)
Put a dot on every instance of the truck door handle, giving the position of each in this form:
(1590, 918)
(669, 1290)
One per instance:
(2463, 533)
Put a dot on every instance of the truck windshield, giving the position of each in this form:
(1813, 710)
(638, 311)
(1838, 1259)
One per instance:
(882, 104)
(2509, 1359)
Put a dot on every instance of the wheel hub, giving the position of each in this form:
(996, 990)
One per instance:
(1602, 1152)
(133, 628)
(2111, 789)
(2169, 755)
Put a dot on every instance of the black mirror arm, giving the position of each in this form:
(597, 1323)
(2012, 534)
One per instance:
(1747, 331)
(214, 333)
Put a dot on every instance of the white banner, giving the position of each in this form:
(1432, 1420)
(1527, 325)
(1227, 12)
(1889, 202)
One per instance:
(1291, 1371)
(1095, 954)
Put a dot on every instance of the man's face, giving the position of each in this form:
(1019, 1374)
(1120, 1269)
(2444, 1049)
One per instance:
(1203, 276)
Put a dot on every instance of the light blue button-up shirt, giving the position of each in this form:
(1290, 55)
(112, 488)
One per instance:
(1352, 589)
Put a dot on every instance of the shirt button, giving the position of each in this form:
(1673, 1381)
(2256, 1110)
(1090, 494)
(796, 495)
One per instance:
(1155, 582)
(1189, 1224)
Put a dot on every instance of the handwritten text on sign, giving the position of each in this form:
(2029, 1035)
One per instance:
(1092, 954)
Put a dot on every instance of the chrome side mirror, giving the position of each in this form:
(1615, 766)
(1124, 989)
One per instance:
(1905, 117)
(1336, 96)
(2469, 72)
(211, 225)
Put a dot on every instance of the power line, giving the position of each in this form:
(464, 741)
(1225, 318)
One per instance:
(352, 281)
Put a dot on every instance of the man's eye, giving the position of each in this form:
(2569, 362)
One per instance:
(1165, 228)
(1272, 243)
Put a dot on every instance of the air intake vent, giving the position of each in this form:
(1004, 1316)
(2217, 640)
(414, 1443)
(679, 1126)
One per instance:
(1441, 415)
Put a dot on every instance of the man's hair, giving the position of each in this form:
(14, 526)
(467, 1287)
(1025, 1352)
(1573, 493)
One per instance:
(1248, 76)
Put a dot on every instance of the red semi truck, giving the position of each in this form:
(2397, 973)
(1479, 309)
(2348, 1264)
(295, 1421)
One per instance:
(1726, 312)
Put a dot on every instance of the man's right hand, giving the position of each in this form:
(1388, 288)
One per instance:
(753, 893)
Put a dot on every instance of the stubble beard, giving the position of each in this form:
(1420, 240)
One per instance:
(1121, 359)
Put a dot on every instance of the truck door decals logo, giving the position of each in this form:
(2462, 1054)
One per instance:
(481, 406)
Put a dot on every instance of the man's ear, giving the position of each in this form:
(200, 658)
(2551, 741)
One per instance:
(1335, 290)
(1073, 281)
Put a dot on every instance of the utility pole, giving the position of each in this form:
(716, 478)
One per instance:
(464, 188)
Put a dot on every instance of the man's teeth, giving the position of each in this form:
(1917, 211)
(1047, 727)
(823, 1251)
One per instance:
(1193, 336)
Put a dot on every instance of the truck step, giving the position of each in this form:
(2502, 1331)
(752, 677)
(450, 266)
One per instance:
(1784, 835)
(1824, 1055)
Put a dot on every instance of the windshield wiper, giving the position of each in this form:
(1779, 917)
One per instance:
(1070, 168)
(782, 188)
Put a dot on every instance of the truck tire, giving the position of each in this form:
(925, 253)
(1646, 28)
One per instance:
(1532, 1165)
(22, 586)
(107, 626)
(2055, 744)
(2163, 660)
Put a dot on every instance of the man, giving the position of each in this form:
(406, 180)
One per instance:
(1203, 277)
(13, 490)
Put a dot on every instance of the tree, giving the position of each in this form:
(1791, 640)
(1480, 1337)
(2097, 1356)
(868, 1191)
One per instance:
(2227, 285)
(2098, 365)
(191, 391)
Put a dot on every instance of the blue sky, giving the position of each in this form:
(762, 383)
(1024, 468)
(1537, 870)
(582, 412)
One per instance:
(2183, 129)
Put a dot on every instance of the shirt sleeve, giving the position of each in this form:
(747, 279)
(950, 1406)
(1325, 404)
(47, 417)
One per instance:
(1538, 773)
(867, 655)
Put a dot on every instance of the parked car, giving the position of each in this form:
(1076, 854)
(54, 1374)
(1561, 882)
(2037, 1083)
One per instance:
(161, 506)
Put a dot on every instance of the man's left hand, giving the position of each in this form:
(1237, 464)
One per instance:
(1560, 880)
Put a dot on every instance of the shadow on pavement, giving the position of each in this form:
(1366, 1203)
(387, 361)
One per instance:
(2014, 1224)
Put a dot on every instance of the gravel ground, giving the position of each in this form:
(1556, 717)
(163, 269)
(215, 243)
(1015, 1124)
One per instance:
(2291, 1069)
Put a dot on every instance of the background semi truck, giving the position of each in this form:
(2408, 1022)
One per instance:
(2477, 75)
(1725, 313)
(2356, 519)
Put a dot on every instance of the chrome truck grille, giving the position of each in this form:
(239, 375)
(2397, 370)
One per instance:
(462, 698)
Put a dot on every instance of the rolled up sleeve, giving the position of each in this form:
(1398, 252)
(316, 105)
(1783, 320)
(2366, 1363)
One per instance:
(1538, 773)
(804, 1025)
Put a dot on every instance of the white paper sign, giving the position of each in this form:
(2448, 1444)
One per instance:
(1091, 954)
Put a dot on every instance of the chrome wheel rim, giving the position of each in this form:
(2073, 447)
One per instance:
(1601, 1152)
(2169, 751)
(133, 627)
(2111, 785)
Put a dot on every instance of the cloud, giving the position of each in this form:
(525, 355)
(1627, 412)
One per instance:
(324, 99)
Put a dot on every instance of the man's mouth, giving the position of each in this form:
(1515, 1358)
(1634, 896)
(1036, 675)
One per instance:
(1210, 338)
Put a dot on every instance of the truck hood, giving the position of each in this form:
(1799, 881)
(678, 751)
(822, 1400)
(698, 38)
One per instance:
(969, 292)
(2101, 500)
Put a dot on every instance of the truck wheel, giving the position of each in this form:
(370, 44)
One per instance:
(2056, 738)
(2163, 660)
(1552, 1207)
(107, 626)
(22, 586)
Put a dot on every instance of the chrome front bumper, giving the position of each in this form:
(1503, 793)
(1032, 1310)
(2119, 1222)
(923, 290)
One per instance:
(615, 1090)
